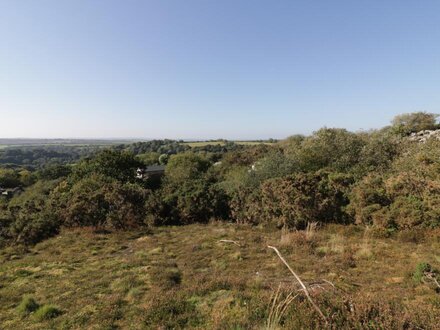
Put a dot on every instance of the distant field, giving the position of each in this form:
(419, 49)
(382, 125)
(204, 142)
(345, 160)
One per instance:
(42, 145)
(203, 143)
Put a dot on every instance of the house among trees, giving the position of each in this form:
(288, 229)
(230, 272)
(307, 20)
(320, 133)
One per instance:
(152, 170)
(10, 192)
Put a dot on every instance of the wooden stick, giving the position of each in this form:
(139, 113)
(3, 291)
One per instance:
(306, 292)
(229, 241)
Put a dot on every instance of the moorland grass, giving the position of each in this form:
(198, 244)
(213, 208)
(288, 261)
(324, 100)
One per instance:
(185, 278)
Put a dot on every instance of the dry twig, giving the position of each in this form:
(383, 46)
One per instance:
(304, 288)
(229, 241)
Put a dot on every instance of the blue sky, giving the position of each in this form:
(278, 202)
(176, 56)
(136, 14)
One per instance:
(237, 69)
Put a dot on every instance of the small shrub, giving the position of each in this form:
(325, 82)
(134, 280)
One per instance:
(27, 306)
(424, 273)
(47, 312)
(173, 275)
(347, 259)
(411, 236)
(303, 238)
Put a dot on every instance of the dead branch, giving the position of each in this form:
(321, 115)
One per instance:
(230, 241)
(304, 288)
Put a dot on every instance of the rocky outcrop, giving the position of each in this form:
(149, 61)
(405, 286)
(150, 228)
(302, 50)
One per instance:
(424, 135)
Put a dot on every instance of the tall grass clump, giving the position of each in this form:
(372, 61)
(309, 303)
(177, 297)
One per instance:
(27, 306)
(47, 312)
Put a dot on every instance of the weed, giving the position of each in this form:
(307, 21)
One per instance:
(47, 312)
(27, 306)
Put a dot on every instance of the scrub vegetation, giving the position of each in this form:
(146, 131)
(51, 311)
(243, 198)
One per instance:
(90, 243)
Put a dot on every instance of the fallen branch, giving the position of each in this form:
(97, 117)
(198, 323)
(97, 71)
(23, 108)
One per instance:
(230, 241)
(304, 288)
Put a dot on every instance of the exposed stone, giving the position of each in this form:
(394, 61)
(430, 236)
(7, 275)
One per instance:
(424, 135)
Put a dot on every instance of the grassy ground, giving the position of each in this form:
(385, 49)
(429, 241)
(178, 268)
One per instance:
(184, 277)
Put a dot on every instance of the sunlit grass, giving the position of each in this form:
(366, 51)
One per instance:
(184, 277)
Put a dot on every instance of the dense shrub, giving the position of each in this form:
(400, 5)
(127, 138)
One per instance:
(185, 167)
(404, 197)
(245, 206)
(100, 201)
(413, 122)
(29, 216)
(331, 148)
(118, 165)
(192, 201)
(367, 197)
(189, 194)
(296, 200)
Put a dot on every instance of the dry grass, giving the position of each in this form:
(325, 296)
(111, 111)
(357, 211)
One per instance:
(118, 280)
(299, 237)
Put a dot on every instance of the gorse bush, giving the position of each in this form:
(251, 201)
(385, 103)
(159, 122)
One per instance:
(404, 197)
(295, 200)
(101, 202)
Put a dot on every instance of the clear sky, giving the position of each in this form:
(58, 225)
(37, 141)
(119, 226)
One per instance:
(207, 69)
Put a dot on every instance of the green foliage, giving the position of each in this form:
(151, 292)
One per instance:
(27, 305)
(119, 165)
(273, 165)
(163, 159)
(159, 146)
(414, 122)
(377, 178)
(9, 178)
(99, 201)
(185, 167)
(367, 197)
(34, 157)
(331, 148)
(149, 158)
(197, 200)
(30, 215)
(54, 171)
(407, 195)
(378, 153)
(296, 200)
(421, 269)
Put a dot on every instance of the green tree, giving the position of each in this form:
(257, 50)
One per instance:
(149, 158)
(295, 200)
(9, 178)
(332, 148)
(119, 165)
(184, 167)
(413, 122)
